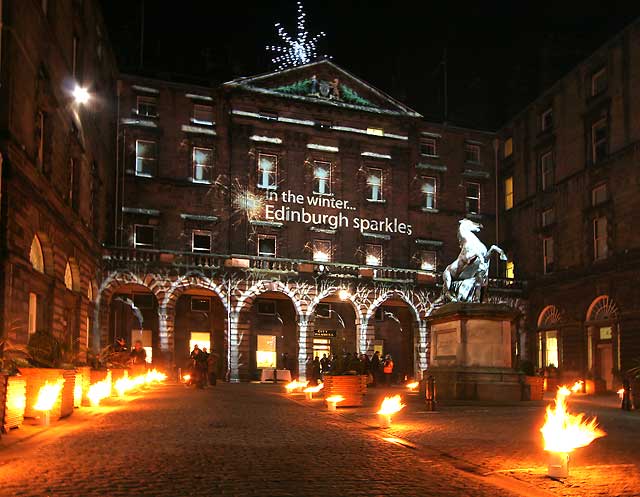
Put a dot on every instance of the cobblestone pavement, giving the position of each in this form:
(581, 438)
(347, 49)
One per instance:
(238, 440)
(506, 440)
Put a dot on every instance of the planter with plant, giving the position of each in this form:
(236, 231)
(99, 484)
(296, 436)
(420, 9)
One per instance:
(346, 379)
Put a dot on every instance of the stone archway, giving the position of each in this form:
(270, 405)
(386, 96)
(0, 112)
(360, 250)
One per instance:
(603, 340)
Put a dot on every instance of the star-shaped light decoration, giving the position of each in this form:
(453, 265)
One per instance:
(298, 51)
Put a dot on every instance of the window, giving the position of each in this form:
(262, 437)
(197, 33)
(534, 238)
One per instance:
(547, 253)
(144, 236)
(41, 135)
(508, 147)
(323, 310)
(374, 184)
(68, 277)
(509, 270)
(322, 178)
(548, 349)
(322, 250)
(428, 260)
(147, 107)
(599, 140)
(33, 313)
(598, 82)
(548, 217)
(373, 254)
(74, 57)
(599, 195)
(508, 193)
(471, 152)
(72, 183)
(429, 189)
(546, 171)
(35, 255)
(472, 200)
(200, 304)
(266, 351)
(375, 131)
(606, 333)
(267, 246)
(267, 171)
(146, 158)
(600, 238)
(200, 338)
(203, 114)
(267, 307)
(144, 300)
(202, 165)
(546, 120)
(201, 241)
(429, 147)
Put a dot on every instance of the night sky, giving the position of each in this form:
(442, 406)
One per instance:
(501, 55)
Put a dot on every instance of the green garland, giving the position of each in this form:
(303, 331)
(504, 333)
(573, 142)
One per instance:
(298, 88)
(303, 87)
(350, 96)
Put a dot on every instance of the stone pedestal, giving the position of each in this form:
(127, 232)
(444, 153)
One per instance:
(472, 352)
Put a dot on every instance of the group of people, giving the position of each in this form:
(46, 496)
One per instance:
(379, 369)
(204, 367)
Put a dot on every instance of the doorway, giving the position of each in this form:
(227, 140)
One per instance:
(605, 363)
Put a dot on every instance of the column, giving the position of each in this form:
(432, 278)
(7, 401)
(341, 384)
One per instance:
(367, 337)
(305, 345)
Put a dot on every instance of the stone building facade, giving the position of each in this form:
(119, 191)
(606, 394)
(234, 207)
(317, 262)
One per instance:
(569, 211)
(56, 159)
(284, 216)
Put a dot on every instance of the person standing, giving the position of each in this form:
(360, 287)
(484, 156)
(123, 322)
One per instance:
(324, 364)
(315, 370)
(138, 358)
(387, 369)
(212, 368)
(375, 367)
(199, 367)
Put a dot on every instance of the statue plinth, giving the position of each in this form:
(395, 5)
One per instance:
(472, 352)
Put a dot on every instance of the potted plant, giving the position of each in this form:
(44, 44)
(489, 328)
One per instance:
(535, 383)
(12, 385)
(345, 378)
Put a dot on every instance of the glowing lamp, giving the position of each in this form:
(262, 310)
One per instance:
(333, 401)
(81, 95)
(389, 406)
(309, 391)
(412, 386)
(295, 386)
(47, 397)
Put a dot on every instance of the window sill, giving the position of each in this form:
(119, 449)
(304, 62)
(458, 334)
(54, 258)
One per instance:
(201, 182)
(430, 156)
(263, 187)
(374, 201)
(474, 215)
(474, 162)
(324, 194)
(141, 175)
(430, 210)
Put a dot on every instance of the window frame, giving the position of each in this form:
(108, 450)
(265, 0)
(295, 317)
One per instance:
(370, 185)
(204, 167)
(468, 147)
(275, 245)
(478, 199)
(509, 148)
(429, 142)
(136, 243)
(544, 126)
(329, 189)
(600, 243)
(509, 269)
(547, 179)
(32, 322)
(379, 248)
(426, 180)
(595, 143)
(195, 233)
(546, 220)
(153, 160)
(200, 107)
(328, 244)
(594, 194)
(423, 258)
(508, 193)
(600, 74)
(147, 102)
(201, 298)
(261, 173)
(548, 263)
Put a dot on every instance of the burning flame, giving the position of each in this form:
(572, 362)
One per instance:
(577, 386)
(413, 385)
(391, 405)
(186, 377)
(620, 393)
(335, 399)
(315, 389)
(295, 385)
(48, 395)
(154, 376)
(100, 390)
(77, 392)
(564, 432)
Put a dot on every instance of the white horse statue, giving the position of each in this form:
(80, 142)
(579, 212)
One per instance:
(465, 277)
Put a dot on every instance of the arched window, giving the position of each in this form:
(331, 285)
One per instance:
(68, 277)
(602, 309)
(548, 340)
(90, 291)
(35, 255)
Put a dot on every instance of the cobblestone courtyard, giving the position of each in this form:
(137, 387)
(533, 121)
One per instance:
(250, 440)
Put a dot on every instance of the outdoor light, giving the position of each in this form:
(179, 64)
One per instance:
(620, 393)
(413, 385)
(389, 406)
(564, 432)
(333, 401)
(186, 377)
(47, 397)
(344, 294)
(577, 386)
(81, 95)
(309, 391)
(295, 386)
